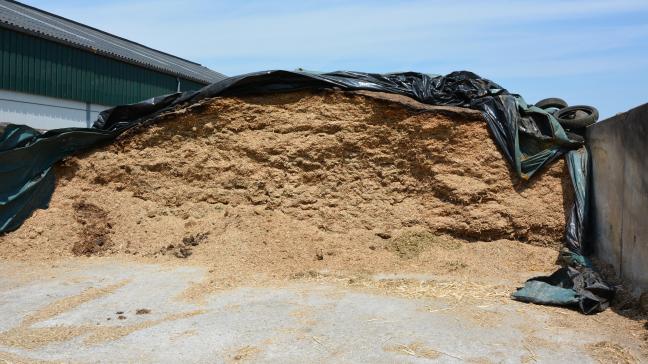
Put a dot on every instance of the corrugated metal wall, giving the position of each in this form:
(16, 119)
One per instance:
(39, 66)
(186, 85)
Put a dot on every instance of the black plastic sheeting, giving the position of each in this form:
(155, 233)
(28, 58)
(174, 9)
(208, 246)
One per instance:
(529, 137)
(577, 286)
(579, 170)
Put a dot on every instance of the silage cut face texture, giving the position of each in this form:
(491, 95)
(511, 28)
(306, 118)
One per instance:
(280, 182)
(458, 88)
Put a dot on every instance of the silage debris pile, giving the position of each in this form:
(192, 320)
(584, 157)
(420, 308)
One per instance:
(286, 183)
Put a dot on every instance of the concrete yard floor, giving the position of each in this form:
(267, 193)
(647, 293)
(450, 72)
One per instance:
(113, 311)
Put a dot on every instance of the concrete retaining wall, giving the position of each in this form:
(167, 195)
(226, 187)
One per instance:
(619, 150)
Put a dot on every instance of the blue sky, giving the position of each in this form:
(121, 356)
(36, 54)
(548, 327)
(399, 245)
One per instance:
(587, 52)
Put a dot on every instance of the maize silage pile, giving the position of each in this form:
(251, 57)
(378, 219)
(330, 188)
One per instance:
(287, 183)
(279, 174)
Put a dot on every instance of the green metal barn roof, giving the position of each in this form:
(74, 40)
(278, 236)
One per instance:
(33, 21)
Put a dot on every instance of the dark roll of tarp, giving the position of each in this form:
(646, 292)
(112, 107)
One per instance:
(529, 137)
(579, 171)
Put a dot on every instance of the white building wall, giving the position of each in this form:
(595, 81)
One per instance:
(42, 112)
